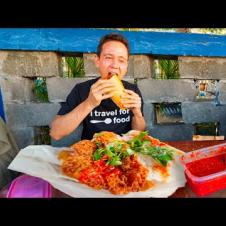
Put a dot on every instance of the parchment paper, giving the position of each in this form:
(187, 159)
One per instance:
(41, 161)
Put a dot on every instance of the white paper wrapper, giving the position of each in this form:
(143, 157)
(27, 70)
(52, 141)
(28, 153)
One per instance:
(41, 161)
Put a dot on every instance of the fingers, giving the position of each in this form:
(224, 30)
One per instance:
(107, 95)
(129, 91)
(105, 91)
(131, 106)
(131, 100)
(100, 90)
(101, 83)
(132, 103)
(124, 101)
(129, 94)
(108, 90)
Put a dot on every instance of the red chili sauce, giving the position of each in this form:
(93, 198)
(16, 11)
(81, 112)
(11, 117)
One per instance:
(98, 172)
(207, 166)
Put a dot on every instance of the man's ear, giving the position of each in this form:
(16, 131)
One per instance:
(97, 61)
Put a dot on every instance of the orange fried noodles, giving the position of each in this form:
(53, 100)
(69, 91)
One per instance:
(130, 176)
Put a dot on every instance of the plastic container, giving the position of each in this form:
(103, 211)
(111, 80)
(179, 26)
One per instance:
(26, 186)
(205, 169)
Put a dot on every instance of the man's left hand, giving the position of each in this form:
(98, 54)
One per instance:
(132, 101)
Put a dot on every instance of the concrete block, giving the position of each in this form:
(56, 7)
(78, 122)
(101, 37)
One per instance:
(202, 67)
(197, 112)
(222, 91)
(172, 90)
(24, 136)
(172, 132)
(30, 64)
(149, 114)
(222, 131)
(31, 114)
(67, 141)
(59, 88)
(89, 64)
(143, 66)
(130, 70)
(129, 79)
(17, 89)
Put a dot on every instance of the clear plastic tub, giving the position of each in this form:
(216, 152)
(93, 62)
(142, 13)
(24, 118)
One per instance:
(205, 169)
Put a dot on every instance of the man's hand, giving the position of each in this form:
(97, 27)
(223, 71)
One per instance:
(99, 91)
(132, 101)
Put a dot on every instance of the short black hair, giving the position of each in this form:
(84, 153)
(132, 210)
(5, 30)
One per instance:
(112, 37)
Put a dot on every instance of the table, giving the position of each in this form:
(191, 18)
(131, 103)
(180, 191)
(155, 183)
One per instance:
(184, 192)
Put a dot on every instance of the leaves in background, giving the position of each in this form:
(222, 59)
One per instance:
(40, 89)
(74, 67)
(169, 69)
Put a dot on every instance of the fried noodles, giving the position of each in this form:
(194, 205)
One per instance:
(130, 176)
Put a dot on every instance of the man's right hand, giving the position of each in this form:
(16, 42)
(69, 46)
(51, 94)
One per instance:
(99, 91)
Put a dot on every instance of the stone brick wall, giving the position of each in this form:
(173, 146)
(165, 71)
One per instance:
(24, 112)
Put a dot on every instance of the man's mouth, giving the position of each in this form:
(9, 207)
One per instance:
(110, 74)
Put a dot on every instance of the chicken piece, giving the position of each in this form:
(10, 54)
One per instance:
(63, 155)
(135, 173)
(84, 147)
(75, 163)
(105, 137)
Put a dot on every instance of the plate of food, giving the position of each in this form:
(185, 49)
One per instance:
(132, 165)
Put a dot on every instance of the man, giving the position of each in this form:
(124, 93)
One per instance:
(90, 102)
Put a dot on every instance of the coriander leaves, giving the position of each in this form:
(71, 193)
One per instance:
(114, 152)
(145, 146)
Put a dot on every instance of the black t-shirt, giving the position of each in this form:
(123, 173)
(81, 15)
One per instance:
(105, 117)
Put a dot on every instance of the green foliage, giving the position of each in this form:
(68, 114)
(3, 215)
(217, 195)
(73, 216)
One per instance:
(42, 135)
(40, 89)
(75, 67)
(169, 69)
(217, 31)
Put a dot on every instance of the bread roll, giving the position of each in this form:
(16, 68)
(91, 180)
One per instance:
(120, 90)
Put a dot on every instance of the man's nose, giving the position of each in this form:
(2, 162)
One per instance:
(115, 63)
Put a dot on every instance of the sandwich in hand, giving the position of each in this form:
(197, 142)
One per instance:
(120, 90)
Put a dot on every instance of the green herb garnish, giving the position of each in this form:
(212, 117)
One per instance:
(115, 152)
(161, 154)
(118, 150)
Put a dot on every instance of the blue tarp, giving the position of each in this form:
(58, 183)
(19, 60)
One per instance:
(85, 40)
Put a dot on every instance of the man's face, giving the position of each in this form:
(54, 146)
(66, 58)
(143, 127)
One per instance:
(113, 59)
